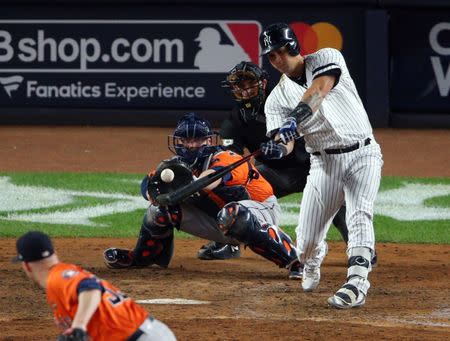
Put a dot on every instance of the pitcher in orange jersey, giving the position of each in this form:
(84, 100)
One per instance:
(84, 306)
(238, 208)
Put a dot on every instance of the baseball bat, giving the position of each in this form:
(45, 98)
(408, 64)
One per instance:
(184, 192)
(175, 197)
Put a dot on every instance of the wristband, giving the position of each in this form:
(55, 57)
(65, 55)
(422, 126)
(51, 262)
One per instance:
(301, 112)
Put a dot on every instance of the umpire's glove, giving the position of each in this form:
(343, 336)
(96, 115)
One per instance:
(272, 150)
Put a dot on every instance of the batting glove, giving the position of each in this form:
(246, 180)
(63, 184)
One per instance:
(288, 130)
(272, 150)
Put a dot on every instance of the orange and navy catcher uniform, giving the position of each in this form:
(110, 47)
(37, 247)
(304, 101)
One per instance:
(117, 316)
(243, 188)
(243, 178)
(246, 176)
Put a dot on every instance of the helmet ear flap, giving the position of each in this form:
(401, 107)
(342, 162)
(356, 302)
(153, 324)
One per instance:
(293, 48)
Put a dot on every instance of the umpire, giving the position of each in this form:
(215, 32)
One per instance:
(248, 85)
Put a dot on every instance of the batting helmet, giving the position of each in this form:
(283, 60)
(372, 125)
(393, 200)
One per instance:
(191, 126)
(249, 77)
(277, 35)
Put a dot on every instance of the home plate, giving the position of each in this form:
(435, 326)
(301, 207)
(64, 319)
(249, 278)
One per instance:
(171, 301)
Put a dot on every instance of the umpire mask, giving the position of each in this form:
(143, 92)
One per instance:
(247, 82)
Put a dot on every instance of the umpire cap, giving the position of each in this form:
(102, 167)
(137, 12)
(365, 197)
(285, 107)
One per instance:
(33, 246)
(277, 35)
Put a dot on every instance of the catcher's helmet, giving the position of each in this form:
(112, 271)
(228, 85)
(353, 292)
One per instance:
(191, 126)
(277, 35)
(248, 77)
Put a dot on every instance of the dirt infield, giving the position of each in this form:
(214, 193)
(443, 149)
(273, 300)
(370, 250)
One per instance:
(422, 153)
(246, 298)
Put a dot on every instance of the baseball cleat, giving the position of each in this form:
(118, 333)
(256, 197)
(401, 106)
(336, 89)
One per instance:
(347, 297)
(311, 278)
(218, 251)
(295, 270)
(117, 258)
(374, 260)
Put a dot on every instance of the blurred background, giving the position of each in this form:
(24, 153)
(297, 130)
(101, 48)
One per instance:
(144, 63)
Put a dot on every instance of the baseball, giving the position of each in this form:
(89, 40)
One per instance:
(167, 175)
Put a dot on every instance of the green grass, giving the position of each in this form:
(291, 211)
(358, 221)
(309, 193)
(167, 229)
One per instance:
(442, 201)
(112, 188)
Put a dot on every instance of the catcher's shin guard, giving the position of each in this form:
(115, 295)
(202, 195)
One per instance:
(162, 219)
(153, 250)
(267, 240)
(155, 241)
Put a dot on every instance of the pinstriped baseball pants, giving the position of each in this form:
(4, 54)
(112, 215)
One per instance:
(353, 178)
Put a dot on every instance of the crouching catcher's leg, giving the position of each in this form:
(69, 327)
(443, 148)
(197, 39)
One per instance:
(267, 240)
(154, 244)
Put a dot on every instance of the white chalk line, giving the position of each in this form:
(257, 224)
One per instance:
(180, 301)
(388, 322)
(420, 320)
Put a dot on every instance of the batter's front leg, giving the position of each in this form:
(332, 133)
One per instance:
(360, 191)
(316, 212)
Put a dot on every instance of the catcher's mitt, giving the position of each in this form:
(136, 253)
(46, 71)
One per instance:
(182, 176)
(77, 334)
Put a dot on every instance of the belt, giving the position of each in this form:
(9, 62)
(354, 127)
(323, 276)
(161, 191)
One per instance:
(139, 331)
(348, 149)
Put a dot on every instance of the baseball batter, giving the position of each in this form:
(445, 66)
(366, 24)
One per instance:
(317, 98)
(248, 86)
(84, 306)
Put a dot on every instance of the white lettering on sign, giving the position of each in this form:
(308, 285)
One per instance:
(442, 76)
(84, 50)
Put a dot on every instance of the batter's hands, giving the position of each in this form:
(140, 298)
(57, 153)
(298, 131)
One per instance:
(272, 150)
(288, 130)
(73, 334)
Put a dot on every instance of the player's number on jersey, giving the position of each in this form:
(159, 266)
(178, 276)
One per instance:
(116, 297)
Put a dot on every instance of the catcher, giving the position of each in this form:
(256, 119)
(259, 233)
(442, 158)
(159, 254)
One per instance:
(238, 208)
(84, 306)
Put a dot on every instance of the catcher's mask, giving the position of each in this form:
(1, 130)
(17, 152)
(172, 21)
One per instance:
(193, 139)
(247, 82)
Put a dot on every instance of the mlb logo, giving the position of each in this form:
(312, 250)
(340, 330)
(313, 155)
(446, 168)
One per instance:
(223, 44)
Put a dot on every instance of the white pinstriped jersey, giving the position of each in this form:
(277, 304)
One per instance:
(341, 119)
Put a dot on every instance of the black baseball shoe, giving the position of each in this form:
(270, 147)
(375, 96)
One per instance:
(347, 297)
(118, 258)
(374, 260)
(295, 270)
(218, 251)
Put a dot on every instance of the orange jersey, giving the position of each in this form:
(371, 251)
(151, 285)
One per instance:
(258, 187)
(117, 316)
